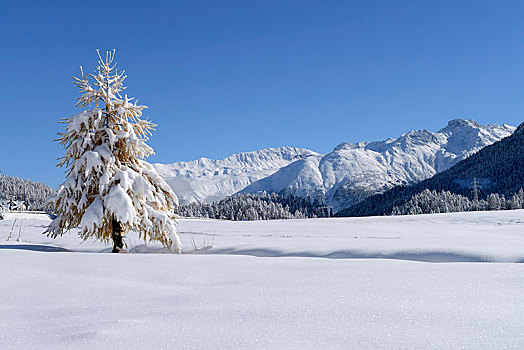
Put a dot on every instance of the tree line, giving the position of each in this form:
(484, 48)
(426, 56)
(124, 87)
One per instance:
(429, 202)
(249, 207)
(33, 193)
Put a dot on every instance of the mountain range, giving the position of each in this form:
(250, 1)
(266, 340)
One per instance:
(344, 177)
(497, 168)
(206, 180)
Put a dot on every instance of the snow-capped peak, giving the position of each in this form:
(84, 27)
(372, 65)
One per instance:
(460, 123)
(468, 126)
(347, 145)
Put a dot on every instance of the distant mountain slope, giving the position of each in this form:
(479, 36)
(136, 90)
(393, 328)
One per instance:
(499, 167)
(353, 172)
(206, 180)
(34, 193)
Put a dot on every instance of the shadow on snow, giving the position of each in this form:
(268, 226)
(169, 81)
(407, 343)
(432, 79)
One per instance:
(424, 256)
(33, 247)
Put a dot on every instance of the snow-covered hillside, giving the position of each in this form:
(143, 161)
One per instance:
(206, 180)
(354, 171)
(343, 283)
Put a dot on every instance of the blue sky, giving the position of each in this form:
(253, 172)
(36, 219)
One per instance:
(221, 77)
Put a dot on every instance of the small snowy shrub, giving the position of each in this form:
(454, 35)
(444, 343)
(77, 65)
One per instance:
(108, 181)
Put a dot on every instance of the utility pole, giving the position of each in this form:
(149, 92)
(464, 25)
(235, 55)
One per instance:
(475, 188)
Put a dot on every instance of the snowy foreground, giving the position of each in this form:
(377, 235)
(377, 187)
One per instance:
(352, 283)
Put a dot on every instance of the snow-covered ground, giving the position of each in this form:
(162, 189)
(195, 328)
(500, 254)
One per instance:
(352, 283)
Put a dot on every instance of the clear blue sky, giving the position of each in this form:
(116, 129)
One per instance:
(221, 77)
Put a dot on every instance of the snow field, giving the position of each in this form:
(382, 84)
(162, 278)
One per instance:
(62, 300)
(269, 285)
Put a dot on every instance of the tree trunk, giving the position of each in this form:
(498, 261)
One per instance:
(118, 242)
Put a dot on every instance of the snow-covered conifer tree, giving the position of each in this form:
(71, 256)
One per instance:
(109, 186)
